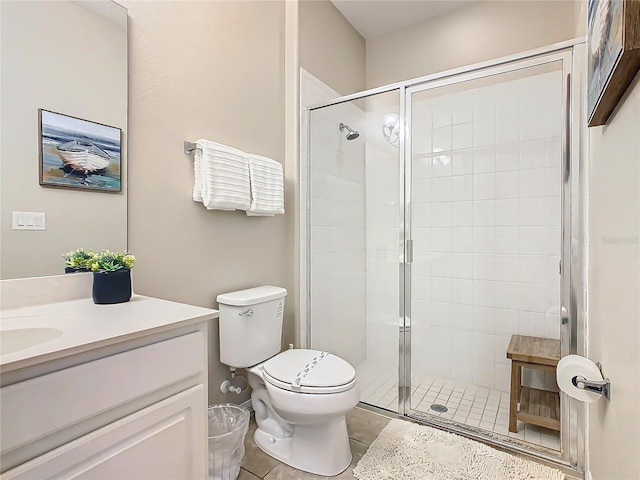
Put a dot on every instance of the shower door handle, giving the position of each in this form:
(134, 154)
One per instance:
(409, 251)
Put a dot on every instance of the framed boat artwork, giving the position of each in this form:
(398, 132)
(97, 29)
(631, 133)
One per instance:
(613, 39)
(77, 153)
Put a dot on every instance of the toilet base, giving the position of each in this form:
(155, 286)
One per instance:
(322, 449)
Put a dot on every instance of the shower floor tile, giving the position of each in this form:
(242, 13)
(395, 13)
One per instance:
(471, 405)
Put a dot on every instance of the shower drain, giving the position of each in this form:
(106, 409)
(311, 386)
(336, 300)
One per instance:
(439, 408)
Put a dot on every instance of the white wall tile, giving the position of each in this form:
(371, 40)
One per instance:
(484, 239)
(421, 191)
(462, 239)
(462, 188)
(508, 129)
(484, 133)
(441, 239)
(440, 214)
(507, 212)
(484, 266)
(421, 140)
(484, 107)
(461, 109)
(421, 168)
(484, 186)
(507, 157)
(462, 163)
(461, 213)
(441, 315)
(507, 268)
(462, 136)
(461, 291)
(484, 293)
(483, 373)
(507, 321)
(442, 139)
(484, 213)
(484, 160)
(462, 263)
(502, 377)
(441, 165)
(441, 189)
(507, 240)
(441, 114)
(508, 184)
(441, 289)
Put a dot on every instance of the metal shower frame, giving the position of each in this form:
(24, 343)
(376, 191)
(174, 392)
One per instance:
(572, 55)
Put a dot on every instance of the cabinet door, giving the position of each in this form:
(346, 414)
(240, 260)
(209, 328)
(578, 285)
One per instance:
(167, 440)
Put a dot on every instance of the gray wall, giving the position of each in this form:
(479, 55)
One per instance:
(480, 32)
(330, 48)
(203, 70)
(614, 284)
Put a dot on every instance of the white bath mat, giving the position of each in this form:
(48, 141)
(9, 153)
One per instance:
(407, 451)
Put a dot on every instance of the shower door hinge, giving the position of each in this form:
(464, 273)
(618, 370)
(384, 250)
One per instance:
(409, 251)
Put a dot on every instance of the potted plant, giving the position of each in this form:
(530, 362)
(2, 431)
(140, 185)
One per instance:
(77, 261)
(112, 276)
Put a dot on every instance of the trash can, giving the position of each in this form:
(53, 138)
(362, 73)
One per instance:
(228, 424)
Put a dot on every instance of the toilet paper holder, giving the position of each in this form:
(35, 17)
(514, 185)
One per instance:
(603, 387)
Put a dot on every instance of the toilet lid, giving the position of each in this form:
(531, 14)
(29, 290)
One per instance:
(309, 371)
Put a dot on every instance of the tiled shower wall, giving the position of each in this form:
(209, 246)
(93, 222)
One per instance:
(337, 220)
(486, 226)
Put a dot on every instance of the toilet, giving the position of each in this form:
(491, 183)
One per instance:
(300, 396)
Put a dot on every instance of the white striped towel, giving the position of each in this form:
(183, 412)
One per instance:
(267, 186)
(221, 177)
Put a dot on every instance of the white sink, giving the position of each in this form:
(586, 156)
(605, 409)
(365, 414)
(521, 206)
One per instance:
(21, 338)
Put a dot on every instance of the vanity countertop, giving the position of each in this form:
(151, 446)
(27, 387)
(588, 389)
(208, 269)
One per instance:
(80, 325)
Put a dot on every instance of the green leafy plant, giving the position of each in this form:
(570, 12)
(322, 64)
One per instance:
(79, 259)
(108, 261)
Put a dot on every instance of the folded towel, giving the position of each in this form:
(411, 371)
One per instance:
(221, 177)
(267, 186)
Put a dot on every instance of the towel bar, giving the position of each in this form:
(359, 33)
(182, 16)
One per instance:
(189, 147)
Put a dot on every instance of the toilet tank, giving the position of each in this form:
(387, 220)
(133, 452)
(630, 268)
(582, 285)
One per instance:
(250, 325)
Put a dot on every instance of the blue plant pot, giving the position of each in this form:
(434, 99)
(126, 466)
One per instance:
(111, 287)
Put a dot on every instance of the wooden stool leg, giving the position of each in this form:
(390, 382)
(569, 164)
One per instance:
(516, 385)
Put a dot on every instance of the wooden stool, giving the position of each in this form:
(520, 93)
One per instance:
(539, 407)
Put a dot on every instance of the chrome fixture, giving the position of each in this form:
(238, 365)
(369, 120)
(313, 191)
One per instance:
(391, 129)
(351, 134)
(603, 387)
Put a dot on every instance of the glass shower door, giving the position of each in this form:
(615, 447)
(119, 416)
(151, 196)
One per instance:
(485, 194)
(355, 177)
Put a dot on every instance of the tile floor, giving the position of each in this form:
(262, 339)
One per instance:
(471, 405)
(363, 426)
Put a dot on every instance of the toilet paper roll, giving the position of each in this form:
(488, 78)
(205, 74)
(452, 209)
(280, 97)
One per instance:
(573, 365)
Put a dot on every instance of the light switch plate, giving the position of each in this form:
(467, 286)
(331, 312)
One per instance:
(29, 221)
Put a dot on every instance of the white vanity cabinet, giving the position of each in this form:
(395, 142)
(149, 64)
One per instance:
(134, 407)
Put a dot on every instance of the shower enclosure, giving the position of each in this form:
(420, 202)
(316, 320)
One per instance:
(441, 218)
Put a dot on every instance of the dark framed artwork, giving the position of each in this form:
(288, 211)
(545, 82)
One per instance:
(77, 153)
(613, 37)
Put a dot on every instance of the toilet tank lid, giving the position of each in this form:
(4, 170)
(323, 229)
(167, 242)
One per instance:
(252, 296)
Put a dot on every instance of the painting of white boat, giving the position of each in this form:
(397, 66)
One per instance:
(83, 157)
(77, 153)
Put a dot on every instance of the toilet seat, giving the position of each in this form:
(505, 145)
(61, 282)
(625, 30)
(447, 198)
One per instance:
(309, 371)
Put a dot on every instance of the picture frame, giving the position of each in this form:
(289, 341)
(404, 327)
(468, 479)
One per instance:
(78, 154)
(613, 43)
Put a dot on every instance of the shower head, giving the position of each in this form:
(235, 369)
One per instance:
(351, 134)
